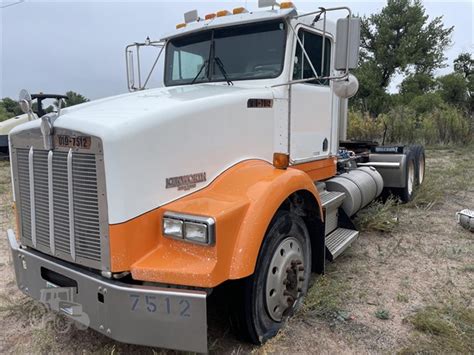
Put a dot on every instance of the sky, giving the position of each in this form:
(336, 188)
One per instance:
(56, 46)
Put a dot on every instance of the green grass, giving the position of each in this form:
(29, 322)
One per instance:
(378, 216)
(383, 314)
(447, 329)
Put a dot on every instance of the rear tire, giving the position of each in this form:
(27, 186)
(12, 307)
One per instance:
(406, 193)
(419, 164)
(280, 281)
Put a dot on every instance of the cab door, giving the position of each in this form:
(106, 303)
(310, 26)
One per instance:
(311, 102)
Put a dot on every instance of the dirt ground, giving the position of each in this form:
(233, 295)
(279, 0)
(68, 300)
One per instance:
(408, 289)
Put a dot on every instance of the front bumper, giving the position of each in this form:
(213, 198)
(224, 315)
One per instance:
(152, 316)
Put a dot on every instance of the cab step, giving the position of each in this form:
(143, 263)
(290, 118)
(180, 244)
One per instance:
(340, 240)
(331, 199)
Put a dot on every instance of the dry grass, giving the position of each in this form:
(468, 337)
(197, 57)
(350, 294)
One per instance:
(378, 216)
(449, 329)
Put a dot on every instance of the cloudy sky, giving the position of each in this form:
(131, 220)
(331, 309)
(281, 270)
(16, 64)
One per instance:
(55, 46)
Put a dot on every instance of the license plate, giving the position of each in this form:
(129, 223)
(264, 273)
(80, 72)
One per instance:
(65, 141)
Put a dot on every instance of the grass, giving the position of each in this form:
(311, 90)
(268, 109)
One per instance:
(402, 298)
(326, 298)
(378, 216)
(448, 329)
(468, 268)
(383, 314)
(452, 174)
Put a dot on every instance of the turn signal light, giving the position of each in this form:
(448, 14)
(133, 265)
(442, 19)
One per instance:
(180, 25)
(281, 160)
(223, 13)
(239, 10)
(287, 5)
(210, 16)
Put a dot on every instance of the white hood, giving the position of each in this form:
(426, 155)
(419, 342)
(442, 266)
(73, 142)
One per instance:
(153, 135)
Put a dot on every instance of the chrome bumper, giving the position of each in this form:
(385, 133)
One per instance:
(152, 316)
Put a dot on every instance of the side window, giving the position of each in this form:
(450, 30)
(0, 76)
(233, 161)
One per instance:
(313, 45)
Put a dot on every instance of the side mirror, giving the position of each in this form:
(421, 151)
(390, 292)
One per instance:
(347, 43)
(346, 88)
(24, 100)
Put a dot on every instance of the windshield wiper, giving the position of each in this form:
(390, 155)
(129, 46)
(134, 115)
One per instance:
(224, 73)
(204, 65)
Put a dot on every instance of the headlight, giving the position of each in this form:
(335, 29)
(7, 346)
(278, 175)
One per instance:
(195, 229)
(173, 227)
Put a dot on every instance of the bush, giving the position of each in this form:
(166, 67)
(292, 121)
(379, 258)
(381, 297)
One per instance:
(363, 127)
(414, 123)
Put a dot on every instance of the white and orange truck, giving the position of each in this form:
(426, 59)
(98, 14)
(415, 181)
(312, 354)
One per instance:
(236, 171)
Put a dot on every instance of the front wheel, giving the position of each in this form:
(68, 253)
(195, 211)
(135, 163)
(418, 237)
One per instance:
(280, 281)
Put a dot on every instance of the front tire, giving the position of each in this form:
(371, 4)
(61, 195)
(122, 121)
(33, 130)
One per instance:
(280, 281)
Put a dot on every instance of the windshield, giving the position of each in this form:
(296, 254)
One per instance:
(247, 52)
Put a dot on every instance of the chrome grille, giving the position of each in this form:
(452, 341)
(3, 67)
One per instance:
(61, 204)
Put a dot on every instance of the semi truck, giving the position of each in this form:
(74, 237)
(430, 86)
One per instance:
(237, 171)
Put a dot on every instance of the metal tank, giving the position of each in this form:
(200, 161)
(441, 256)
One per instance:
(361, 186)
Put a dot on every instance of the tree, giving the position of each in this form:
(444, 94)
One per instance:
(464, 65)
(417, 84)
(399, 39)
(453, 89)
(73, 98)
(11, 106)
(4, 114)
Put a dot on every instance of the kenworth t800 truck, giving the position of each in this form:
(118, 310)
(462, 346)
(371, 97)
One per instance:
(236, 171)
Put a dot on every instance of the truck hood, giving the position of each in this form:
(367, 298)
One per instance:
(151, 136)
(131, 112)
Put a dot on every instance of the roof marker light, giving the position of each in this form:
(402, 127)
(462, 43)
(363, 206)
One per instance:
(239, 10)
(223, 13)
(180, 25)
(210, 16)
(287, 5)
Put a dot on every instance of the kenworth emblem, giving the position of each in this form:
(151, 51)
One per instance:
(185, 182)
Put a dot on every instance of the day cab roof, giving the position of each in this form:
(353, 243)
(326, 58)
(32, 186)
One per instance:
(243, 18)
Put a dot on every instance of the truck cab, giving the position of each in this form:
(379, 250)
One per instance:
(233, 172)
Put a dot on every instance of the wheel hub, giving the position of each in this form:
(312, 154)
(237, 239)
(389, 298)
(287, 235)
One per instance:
(285, 279)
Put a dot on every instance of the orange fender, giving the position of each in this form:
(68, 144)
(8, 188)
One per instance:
(242, 201)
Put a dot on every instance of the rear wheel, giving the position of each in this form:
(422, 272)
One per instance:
(420, 164)
(406, 193)
(280, 281)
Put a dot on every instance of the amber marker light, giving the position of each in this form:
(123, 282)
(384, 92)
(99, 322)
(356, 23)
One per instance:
(287, 5)
(281, 160)
(210, 16)
(223, 13)
(239, 10)
(180, 25)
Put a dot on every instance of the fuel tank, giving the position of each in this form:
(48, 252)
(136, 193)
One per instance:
(361, 186)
